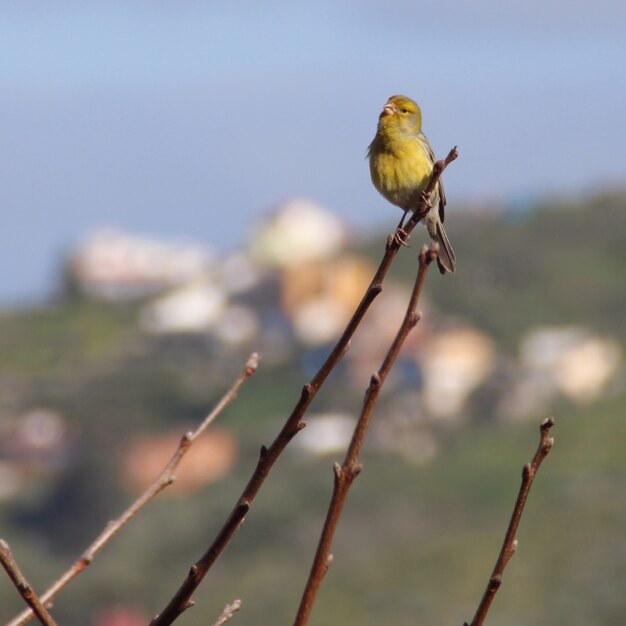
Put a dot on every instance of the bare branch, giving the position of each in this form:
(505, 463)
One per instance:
(228, 612)
(23, 586)
(294, 423)
(510, 543)
(346, 473)
(165, 478)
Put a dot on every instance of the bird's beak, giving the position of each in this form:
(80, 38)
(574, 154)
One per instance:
(389, 109)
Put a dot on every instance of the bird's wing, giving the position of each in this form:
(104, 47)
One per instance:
(442, 193)
(442, 201)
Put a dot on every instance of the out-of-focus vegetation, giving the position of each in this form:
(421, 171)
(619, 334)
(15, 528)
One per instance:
(417, 542)
(561, 264)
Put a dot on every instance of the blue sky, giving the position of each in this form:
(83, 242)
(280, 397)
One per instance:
(193, 118)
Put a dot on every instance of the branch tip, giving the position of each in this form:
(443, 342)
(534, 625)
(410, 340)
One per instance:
(252, 363)
(228, 612)
(452, 155)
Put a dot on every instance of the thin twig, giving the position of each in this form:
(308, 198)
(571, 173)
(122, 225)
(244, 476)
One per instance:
(228, 612)
(268, 456)
(346, 473)
(164, 479)
(510, 543)
(23, 586)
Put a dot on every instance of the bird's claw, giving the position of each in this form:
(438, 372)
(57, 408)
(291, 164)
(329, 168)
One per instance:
(425, 204)
(425, 198)
(401, 237)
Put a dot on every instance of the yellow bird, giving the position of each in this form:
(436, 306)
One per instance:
(401, 163)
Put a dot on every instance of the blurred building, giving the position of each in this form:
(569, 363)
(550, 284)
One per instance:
(121, 615)
(193, 307)
(211, 456)
(325, 433)
(114, 265)
(32, 444)
(454, 363)
(320, 296)
(298, 230)
(568, 360)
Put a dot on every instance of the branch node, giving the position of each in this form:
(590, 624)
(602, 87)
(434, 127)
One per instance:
(356, 469)
(346, 348)
(526, 471)
(263, 452)
(338, 471)
(300, 425)
(83, 562)
(186, 438)
(495, 582)
(329, 562)
(376, 288)
(375, 380)
(193, 571)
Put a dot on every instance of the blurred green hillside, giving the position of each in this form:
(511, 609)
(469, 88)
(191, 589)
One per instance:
(416, 543)
(561, 263)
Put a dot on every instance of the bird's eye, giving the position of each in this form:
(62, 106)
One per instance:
(404, 110)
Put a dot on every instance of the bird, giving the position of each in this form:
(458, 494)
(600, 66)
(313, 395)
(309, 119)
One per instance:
(401, 162)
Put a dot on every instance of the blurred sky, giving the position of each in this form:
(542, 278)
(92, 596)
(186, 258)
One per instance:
(193, 118)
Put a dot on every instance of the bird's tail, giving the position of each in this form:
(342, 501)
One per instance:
(446, 259)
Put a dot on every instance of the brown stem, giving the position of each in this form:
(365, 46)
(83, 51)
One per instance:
(23, 586)
(346, 473)
(510, 543)
(268, 456)
(165, 478)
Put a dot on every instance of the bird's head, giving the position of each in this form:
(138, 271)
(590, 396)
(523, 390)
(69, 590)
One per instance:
(401, 113)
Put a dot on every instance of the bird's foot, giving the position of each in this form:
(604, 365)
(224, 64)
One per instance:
(425, 204)
(401, 237)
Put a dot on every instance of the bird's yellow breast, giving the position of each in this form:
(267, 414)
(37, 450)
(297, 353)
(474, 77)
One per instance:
(401, 169)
